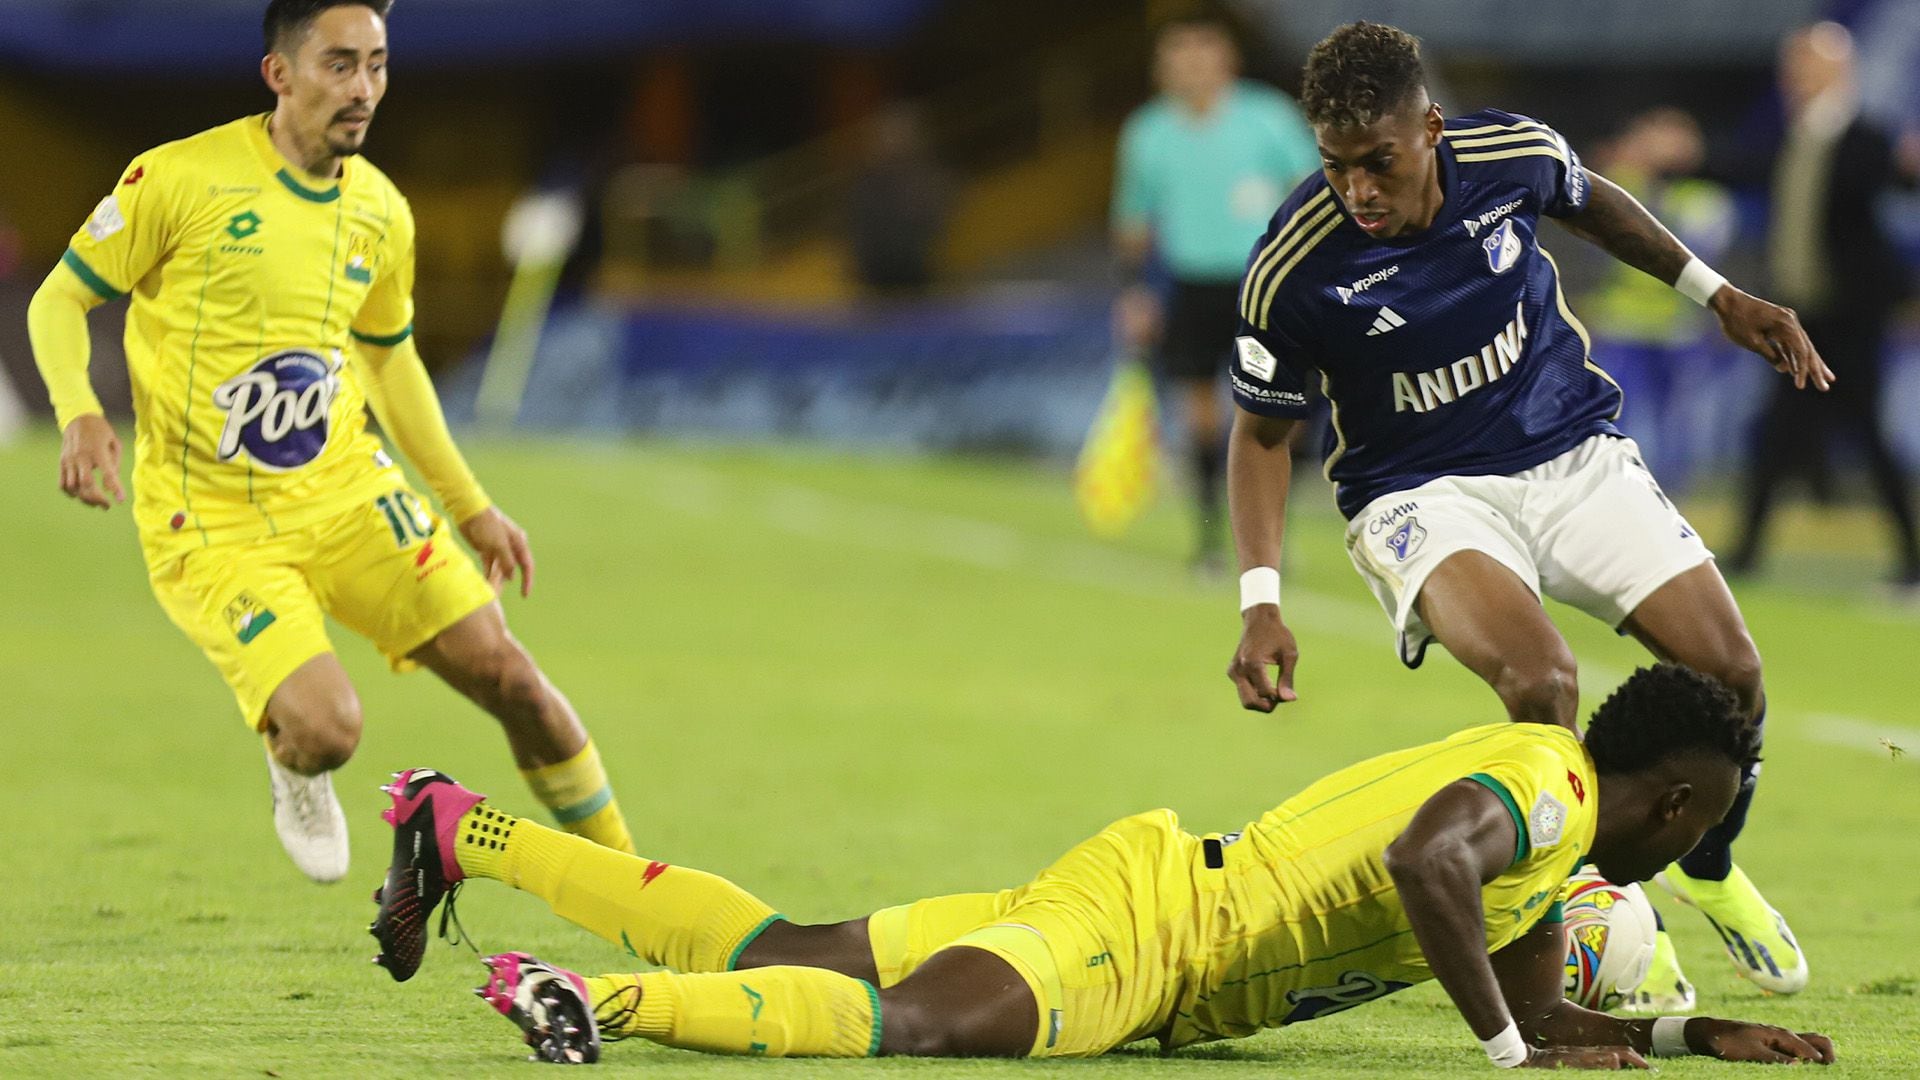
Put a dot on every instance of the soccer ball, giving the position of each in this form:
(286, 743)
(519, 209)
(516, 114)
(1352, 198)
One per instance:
(1610, 932)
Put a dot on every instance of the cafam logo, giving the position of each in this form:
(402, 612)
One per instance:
(278, 411)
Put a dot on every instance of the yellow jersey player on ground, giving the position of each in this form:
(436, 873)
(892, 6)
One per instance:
(1443, 862)
(271, 274)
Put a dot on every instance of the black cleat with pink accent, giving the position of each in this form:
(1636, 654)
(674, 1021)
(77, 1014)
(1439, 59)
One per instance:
(425, 815)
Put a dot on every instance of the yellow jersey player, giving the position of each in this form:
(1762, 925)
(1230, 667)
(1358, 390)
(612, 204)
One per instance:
(1443, 861)
(271, 273)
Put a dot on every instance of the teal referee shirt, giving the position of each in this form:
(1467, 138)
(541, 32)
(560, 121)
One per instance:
(1206, 185)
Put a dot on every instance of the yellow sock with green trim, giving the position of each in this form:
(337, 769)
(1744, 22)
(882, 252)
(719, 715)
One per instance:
(687, 920)
(582, 801)
(773, 1011)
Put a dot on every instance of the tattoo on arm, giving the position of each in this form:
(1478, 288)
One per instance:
(1615, 221)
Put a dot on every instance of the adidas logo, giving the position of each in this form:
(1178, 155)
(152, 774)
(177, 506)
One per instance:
(1386, 322)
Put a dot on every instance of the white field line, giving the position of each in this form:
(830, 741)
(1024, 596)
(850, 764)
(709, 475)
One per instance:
(1869, 736)
(802, 511)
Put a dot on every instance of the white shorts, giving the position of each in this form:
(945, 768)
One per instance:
(1591, 528)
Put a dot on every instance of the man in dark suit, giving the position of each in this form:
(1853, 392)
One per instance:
(1832, 261)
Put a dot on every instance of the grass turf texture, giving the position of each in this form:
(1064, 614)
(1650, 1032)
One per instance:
(843, 682)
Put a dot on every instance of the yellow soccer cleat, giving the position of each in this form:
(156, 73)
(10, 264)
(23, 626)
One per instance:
(1757, 937)
(1665, 990)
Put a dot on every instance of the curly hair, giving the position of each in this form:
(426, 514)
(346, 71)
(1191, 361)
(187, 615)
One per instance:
(1665, 710)
(287, 21)
(1361, 72)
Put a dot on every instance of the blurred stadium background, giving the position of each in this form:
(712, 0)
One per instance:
(732, 163)
(830, 318)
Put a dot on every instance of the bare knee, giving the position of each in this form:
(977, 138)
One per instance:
(962, 1002)
(507, 680)
(1544, 690)
(911, 1028)
(317, 733)
(843, 947)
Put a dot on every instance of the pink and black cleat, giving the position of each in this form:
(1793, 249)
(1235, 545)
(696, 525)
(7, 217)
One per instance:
(425, 815)
(550, 1005)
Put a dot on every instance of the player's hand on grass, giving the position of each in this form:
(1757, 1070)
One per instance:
(502, 547)
(1731, 1040)
(1265, 642)
(87, 445)
(1584, 1057)
(1773, 332)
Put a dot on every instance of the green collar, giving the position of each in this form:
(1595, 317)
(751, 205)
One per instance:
(285, 176)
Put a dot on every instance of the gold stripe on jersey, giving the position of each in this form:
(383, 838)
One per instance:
(1524, 151)
(1339, 433)
(1485, 128)
(1280, 238)
(1580, 328)
(1285, 268)
(1509, 137)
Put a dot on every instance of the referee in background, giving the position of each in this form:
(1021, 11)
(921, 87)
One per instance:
(1201, 168)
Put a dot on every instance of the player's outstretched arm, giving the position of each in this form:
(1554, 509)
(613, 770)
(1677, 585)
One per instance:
(402, 395)
(57, 326)
(1259, 472)
(1532, 973)
(1615, 221)
(1459, 840)
(403, 398)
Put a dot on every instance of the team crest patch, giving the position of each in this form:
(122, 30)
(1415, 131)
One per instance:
(360, 258)
(1544, 824)
(1407, 538)
(1502, 247)
(247, 617)
(1255, 360)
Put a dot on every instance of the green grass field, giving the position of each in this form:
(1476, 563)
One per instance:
(843, 682)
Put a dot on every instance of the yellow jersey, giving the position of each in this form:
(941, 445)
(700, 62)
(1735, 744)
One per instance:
(1311, 924)
(250, 281)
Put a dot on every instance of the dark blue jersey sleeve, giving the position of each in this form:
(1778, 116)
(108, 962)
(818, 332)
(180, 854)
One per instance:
(1269, 372)
(1272, 349)
(1526, 151)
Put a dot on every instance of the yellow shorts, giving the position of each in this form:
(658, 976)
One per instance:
(387, 570)
(1103, 937)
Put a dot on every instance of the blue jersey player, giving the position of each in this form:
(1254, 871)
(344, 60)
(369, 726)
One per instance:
(1473, 446)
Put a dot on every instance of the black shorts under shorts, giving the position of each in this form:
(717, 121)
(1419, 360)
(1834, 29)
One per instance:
(1196, 340)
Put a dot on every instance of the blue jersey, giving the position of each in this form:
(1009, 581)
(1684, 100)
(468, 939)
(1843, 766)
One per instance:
(1446, 352)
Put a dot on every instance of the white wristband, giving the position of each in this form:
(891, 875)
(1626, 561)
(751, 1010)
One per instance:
(1507, 1049)
(1698, 281)
(1260, 585)
(1670, 1037)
